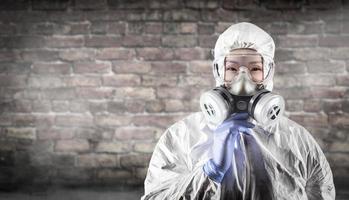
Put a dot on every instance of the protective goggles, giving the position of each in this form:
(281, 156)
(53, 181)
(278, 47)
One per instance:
(252, 64)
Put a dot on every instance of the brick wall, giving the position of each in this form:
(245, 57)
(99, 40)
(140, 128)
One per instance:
(87, 87)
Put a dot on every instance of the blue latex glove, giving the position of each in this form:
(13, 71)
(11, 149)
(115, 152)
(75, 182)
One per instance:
(223, 145)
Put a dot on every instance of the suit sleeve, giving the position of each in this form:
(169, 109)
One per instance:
(171, 173)
(319, 184)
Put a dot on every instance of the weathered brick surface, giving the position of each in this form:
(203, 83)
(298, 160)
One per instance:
(88, 87)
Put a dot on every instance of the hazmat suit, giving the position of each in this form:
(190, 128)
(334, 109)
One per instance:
(282, 161)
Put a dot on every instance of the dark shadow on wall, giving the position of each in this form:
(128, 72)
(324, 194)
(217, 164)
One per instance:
(62, 120)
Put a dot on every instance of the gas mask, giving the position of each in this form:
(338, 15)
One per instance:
(218, 104)
(242, 91)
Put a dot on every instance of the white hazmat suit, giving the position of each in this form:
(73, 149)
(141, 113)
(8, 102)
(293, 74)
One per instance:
(290, 164)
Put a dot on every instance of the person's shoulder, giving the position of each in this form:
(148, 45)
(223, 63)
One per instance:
(298, 132)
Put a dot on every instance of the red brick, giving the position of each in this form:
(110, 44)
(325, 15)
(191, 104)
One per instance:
(143, 93)
(312, 105)
(97, 106)
(58, 93)
(103, 41)
(290, 41)
(326, 66)
(291, 67)
(42, 106)
(175, 92)
(334, 41)
(162, 121)
(326, 92)
(135, 28)
(153, 28)
(117, 107)
(121, 80)
(90, 4)
(60, 106)
(23, 119)
(141, 40)
(135, 106)
(115, 54)
(179, 41)
(181, 15)
(294, 93)
(79, 28)
(76, 145)
(175, 105)
(74, 120)
(201, 67)
(311, 54)
(13, 80)
(51, 68)
(206, 28)
(116, 28)
(131, 67)
(342, 80)
(54, 5)
(97, 160)
(94, 93)
(55, 133)
(38, 55)
(195, 81)
(45, 82)
(155, 53)
(155, 106)
(92, 67)
(317, 80)
(340, 53)
(333, 106)
(238, 4)
(135, 133)
(168, 68)
(74, 81)
(190, 54)
(64, 41)
(321, 4)
(111, 120)
(78, 106)
(77, 54)
(188, 28)
(20, 133)
(294, 105)
(155, 80)
(113, 174)
(113, 147)
(135, 160)
(207, 41)
(144, 147)
(339, 119)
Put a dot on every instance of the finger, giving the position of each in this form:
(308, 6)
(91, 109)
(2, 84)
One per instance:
(244, 130)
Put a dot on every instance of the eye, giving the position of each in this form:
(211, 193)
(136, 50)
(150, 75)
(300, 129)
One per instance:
(231, 68)
(256, 68)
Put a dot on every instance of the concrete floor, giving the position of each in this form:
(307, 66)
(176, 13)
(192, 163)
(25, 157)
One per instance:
(76, 194)
(100, 194)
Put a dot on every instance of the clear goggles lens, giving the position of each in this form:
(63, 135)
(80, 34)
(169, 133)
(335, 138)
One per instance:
(252, 64)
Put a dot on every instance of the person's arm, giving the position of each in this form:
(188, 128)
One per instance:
(171, 174)
(319, 184)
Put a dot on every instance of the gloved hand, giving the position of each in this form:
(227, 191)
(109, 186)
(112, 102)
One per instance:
(224, 138)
